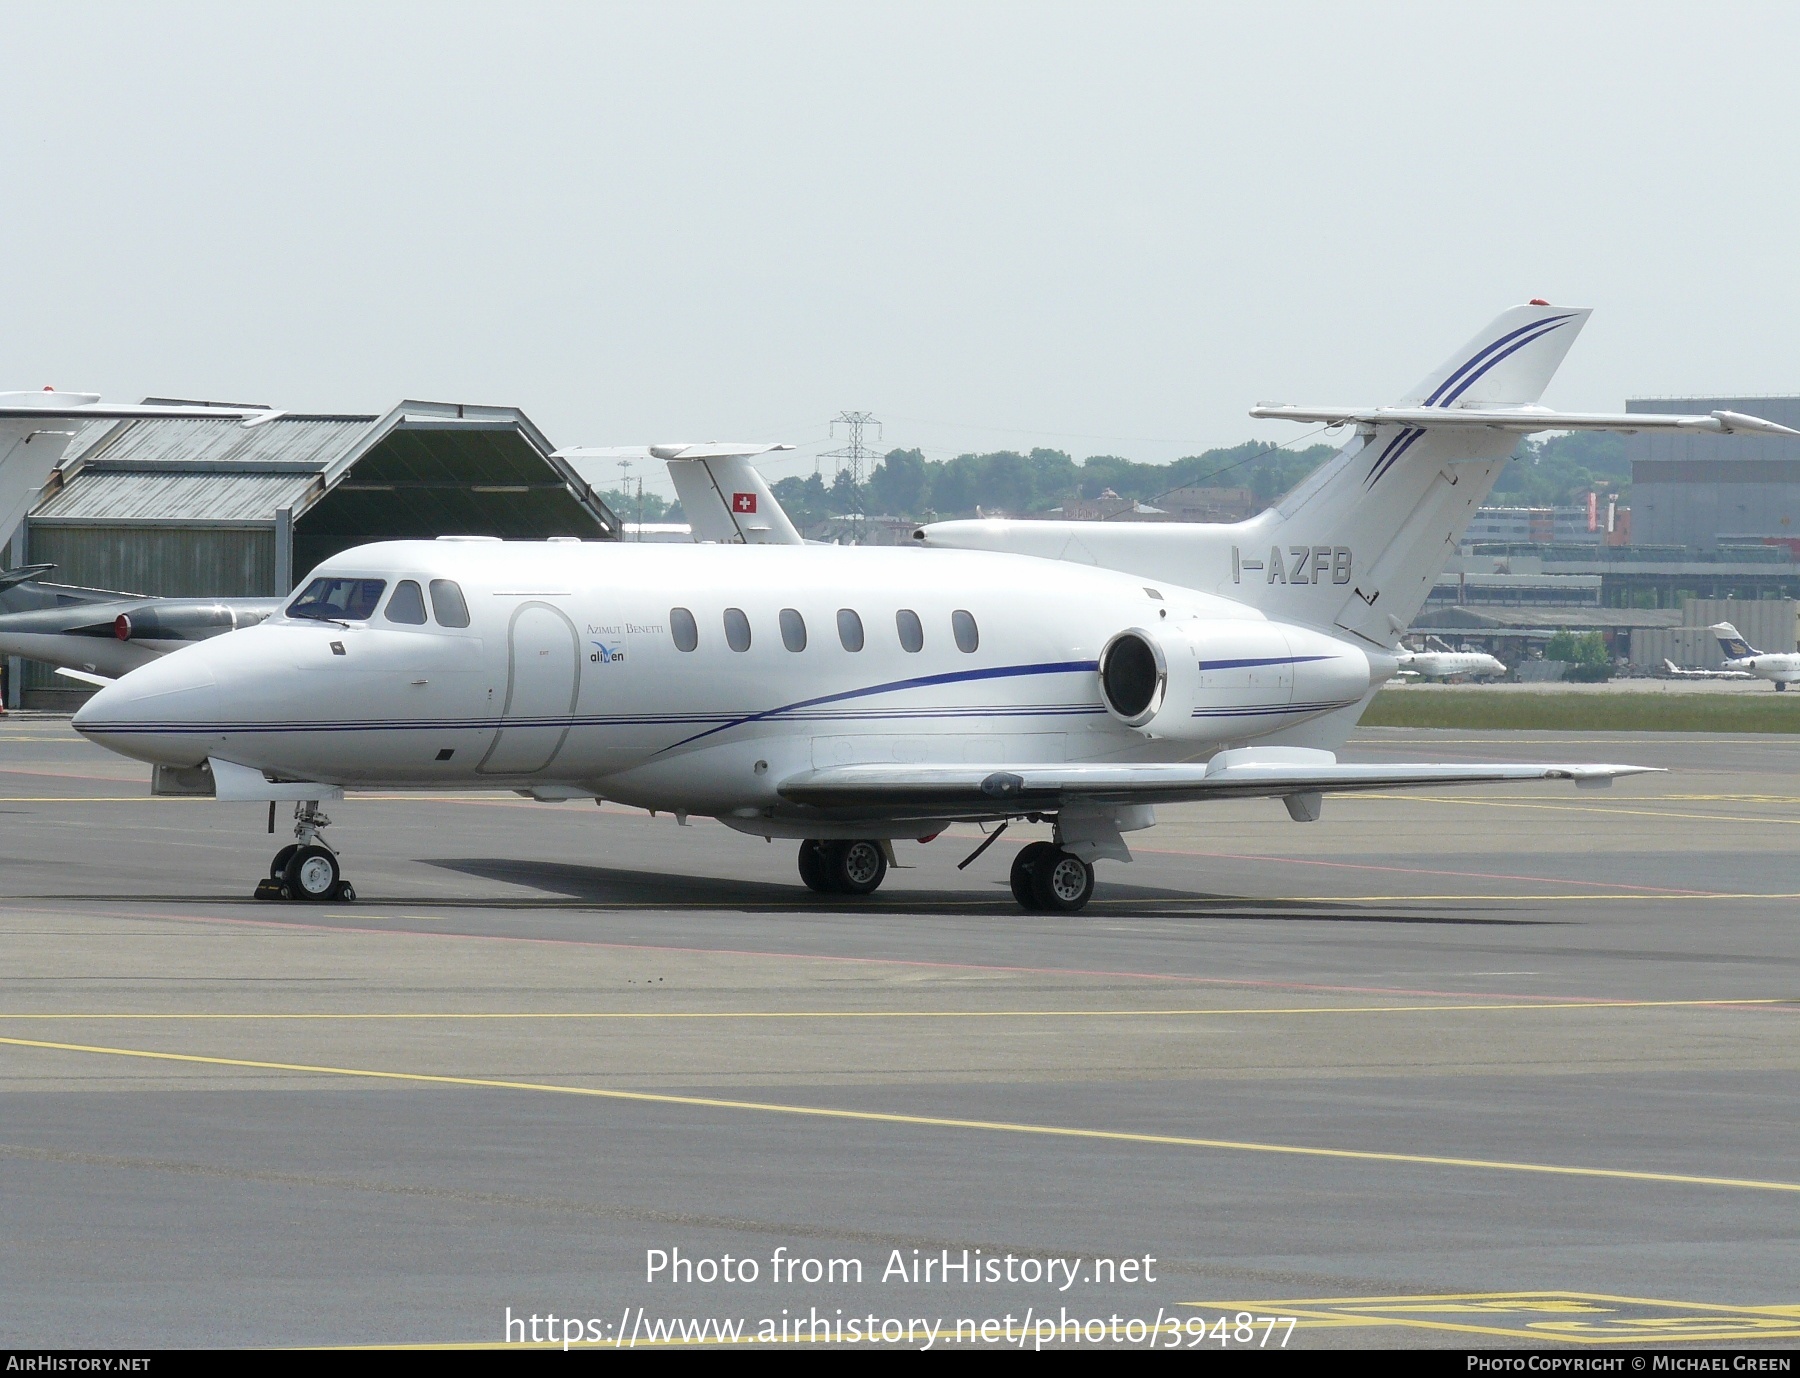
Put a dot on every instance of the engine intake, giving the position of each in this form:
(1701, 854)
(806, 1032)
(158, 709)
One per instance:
(1134, 677)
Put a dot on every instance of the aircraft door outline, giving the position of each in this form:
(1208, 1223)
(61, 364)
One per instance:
(551, 647)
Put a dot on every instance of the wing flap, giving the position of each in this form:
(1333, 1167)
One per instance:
(1006, 791)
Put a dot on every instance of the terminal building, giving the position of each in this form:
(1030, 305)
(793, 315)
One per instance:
(1710, 532)
(1700, 491)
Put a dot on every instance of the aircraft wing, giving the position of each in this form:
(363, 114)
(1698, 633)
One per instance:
(990, 791)
(1524, 420)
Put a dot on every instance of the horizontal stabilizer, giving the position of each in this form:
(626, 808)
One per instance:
(87, 406)
(25, 574)
(1523, 420)
(712, 449)
(98, 681)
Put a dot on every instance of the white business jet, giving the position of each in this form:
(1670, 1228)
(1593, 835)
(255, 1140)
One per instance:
(1783, 667)
(851, 697)
(1450, 664)
(1673, 671)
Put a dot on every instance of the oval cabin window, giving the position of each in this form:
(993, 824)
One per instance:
(850, 630)
(684, 629)
(793, 630)
(962, 624)
(737, 629)
(912, 631)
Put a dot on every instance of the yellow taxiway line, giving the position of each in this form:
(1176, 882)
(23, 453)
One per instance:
(931, 1121)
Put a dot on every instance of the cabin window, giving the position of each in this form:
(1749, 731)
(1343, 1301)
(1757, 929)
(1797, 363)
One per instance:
(447, 603)
(408, 604)
(737, 629)
(684, 629)
(850, 630)
(793, 629)
(967, 636)
(338, 600)
(912, 631)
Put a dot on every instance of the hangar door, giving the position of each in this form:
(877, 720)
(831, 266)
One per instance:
(543, 676)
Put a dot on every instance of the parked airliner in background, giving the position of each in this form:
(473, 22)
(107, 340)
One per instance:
(1783, 667)
(848, 697)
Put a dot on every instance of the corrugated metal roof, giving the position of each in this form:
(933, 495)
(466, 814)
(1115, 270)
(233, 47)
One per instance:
(145, 495)
(312, 440)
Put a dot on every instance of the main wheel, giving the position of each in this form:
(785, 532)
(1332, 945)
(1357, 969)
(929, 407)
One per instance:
(812, 866)
(1779, 686)
(1021, 872)
(278, 867)
(312, 874)
(856, 868)
(1060, 882)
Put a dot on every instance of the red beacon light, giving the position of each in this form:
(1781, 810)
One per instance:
(1538, 301)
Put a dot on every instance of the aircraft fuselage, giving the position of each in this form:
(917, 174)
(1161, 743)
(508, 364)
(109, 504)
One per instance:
(574, 671)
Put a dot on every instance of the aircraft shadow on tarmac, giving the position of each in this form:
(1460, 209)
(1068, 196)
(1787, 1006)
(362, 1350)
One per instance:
(603, 886)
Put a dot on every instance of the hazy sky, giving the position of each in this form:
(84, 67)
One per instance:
(1105, 228)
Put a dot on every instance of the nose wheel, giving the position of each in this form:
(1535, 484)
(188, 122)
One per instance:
(306, 869)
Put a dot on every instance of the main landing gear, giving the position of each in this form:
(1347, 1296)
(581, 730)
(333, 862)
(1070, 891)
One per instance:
(1044, 877)
(843, 868)
(305, 869)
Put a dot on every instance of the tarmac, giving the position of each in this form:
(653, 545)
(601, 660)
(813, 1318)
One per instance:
(1514, 1066)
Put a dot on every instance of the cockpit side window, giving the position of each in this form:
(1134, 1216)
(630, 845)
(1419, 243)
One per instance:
(407, 605)
(447, 603)
(338, 600)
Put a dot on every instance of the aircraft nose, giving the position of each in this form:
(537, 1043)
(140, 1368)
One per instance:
(161, 712)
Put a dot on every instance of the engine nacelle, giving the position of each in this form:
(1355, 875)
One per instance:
(170, 620)
(1228, 680)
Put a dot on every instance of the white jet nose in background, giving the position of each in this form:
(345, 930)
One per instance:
(166, 712)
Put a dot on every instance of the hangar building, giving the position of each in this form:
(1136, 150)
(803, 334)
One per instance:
(192, 508)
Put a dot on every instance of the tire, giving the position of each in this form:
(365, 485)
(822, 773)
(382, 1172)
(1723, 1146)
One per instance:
(856, 868)
(278, 867)
(1021, 873)
(812, 866)
(1061, 883)
(312, 874)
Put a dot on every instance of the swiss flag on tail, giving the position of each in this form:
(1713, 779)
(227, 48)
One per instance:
(743, 502)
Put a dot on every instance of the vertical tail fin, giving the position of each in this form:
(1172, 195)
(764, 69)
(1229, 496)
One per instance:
(1508, 364)
(1399, 497)
(727, 501)
(1732, 643)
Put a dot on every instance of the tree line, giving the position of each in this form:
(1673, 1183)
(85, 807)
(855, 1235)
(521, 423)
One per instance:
(1546, 473)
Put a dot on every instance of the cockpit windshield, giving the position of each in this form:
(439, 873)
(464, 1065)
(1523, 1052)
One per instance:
(338, 600)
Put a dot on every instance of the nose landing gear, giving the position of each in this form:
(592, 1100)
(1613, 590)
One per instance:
(306, 869)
